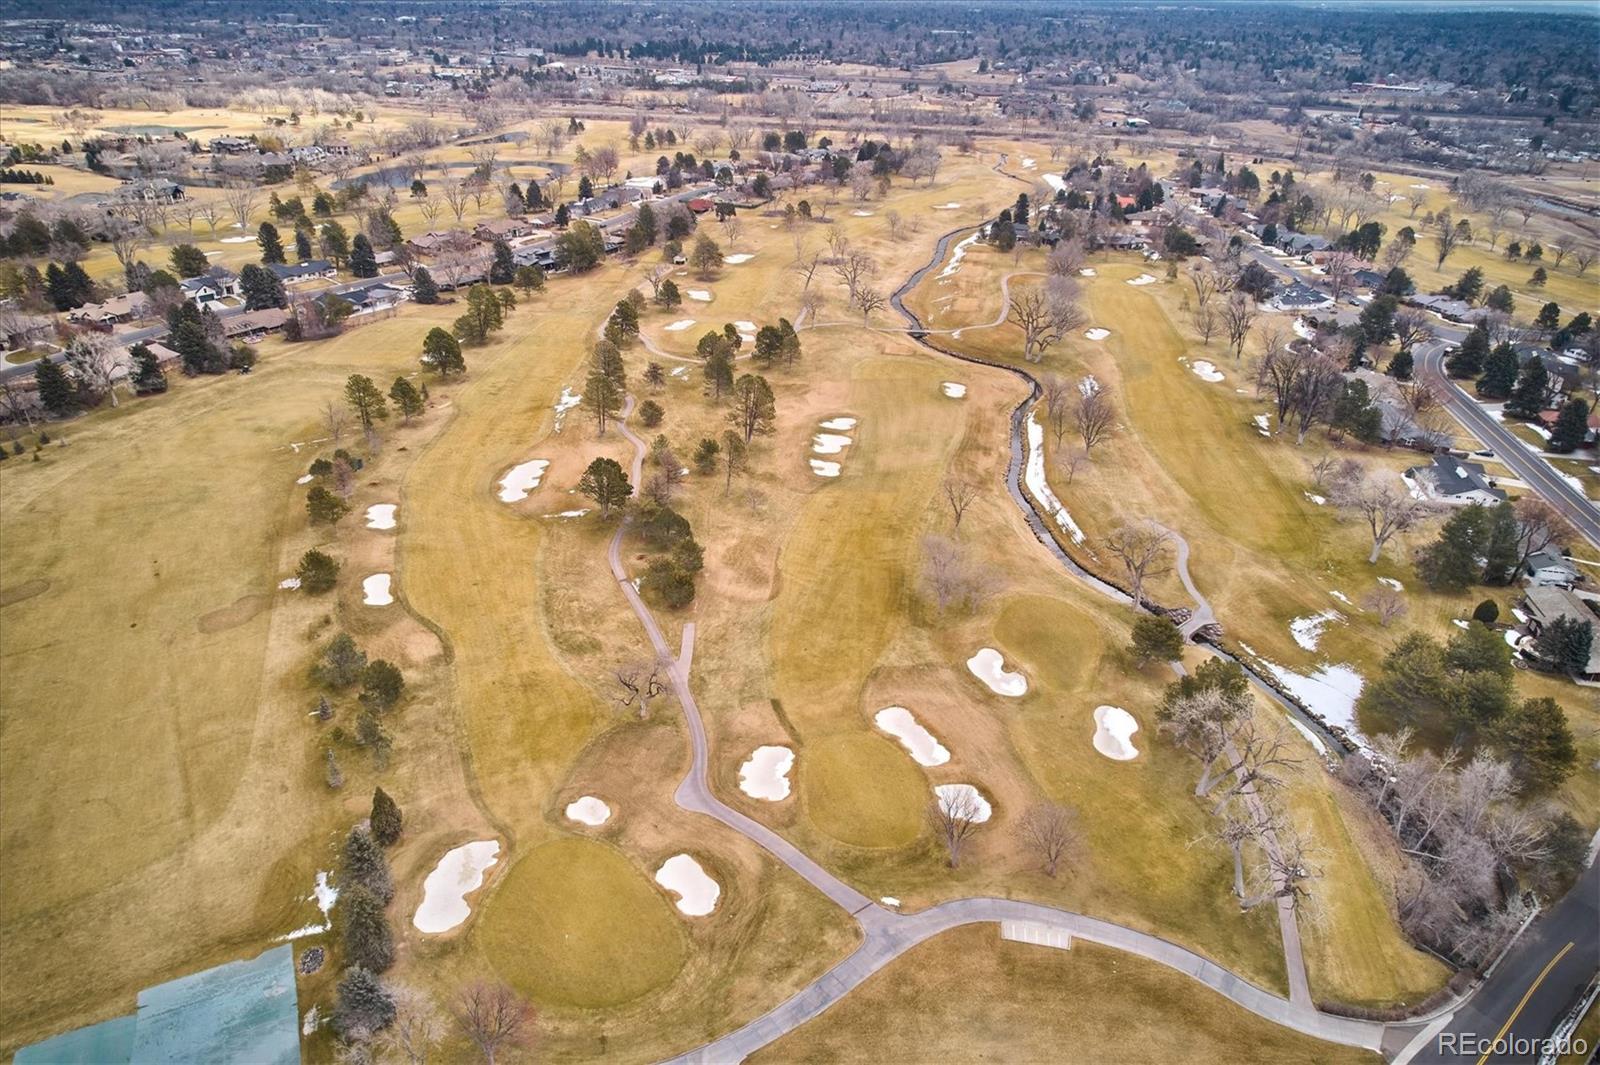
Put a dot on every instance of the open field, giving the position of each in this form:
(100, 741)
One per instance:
(963, 995)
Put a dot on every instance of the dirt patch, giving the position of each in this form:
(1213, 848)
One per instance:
(235, 614)
(26, 590)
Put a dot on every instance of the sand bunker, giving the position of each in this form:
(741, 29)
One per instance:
(839, 424)
(1263, 426)
(1113, 733)
(745, 326)
(949, 793)
(380, 516)
(237, 240)
(735, 260)
(765, 774)
(588, 810)
(824, 468)
(569, 513)
(445, 891)
(1205, 371)
(376, 589)
(679, 326)
(862, 214)
(699, 294)
(289, 583)
(1097, 333)
(951, 206)
(1029, 164)
(988, 665)
(900, 723)
(697, 893)
(954, 390)
(1142, 279)
(522, 479)
(829, 443)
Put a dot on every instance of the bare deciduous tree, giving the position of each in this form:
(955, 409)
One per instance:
(1046, 314)
(241, 200)
(639, 681)
(1238, 315)
(953, 817)
(950, 576)
(1387, 603)
(94, 359)
(492, 1016)
(1141, 547)
(335, 419)
(417, 1026)
(1092, 414)
(1387, 508)
(959, 493)
(1049, 830)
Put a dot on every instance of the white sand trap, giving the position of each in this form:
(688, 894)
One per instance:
(862, 214)
(742, 257)
(377, 591)
(697, 893)
(954, 390)
(289, 583)
(1087, 271)
(699, 294)
(1039, 487)
(748, 338)
(824, 468)
(829, 443)
(522, 479)
(900, 723)
(1142, 279)
(765, 774)
(988, 665)
(679, 326)
(1097, 333)
(951, 206)
(445, 891)
(238, 240)
(1113, 733)
(1205, 371)
(1307, 631)
(948, 793)
(380, 516)
(304, 478)
(841, 425)
(588, 810)
(1392, 583)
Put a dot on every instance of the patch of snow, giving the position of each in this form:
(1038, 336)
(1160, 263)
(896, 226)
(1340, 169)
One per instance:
(1392, 583)
(588, 810)
(954, 390)
(824, 468)
(859, 213)
(1088, 386)
(735, 260)
(680, 371)
(679, 326)
(1087, 271)
(839, 424)
(1459, 623)
(1097, 333)
(745, 326)
(289, 583)
(1304, 730)
(237, 240)
(569, 399)
(699, 294)
(889, 900)
(1039, 486)
(1301, 329)
(522, 479)
(444, 892)
(1318, 500)
(988, 665)
(951, 206)
(569, 513)
(1307, 631)
(1113, 733)
(1331, 692)
(1205, 371)
(1029, 164)
(1263, 424)
(312, 1021)
(900, 723)
(1420, 185)
(957, 255)
(765, 774)
(1142, 279)
(324, 895)
(303, 479)
(950, 793)
(376, 589)
(829, 443)
(1342, 598)
(380, 516)
(1055, 181)
(697, 893)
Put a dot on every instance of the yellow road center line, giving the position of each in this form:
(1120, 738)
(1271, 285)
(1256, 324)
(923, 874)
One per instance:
(1526, 996)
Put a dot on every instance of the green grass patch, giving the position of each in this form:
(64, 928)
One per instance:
(861, 789)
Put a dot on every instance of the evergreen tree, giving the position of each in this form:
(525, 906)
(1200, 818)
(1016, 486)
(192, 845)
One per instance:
(651, 413)
(1549, 317)
(363, 263)
(341, 663)
(1402, 366)
(366, 402)
(603, 397)
(270, 244)
(365, 864)
(385, 819)
(57, 392)
(407, 400)
(148, 377)
(189, 261)
(1565, 643)
(1450, 563)
(335, 243)
(1468, 287)
(423, 288)
(668, 295)
(1500, 300)
(1527, 398)
(718, 370)
(705, 455)
(1572, 426)
(441, 352)
(1468, 359)
(1499, 373)
(503, 269)
(529, 279)
(382, 685)
(754, 409)
(368, 941)
(364, 1006)
(302, 244)
(1536, 739)
(1156, 639)
(323, 507)
(261, 288)
(606, 484)
(1501, 549)
(317, 572)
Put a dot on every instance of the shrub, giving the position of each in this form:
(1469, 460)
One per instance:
(1487, 612)
(651, 413)
(317, 572)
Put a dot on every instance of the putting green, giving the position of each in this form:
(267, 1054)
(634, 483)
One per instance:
(861, 789)
(576, 924)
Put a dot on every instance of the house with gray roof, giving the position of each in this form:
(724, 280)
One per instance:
(1455, 481)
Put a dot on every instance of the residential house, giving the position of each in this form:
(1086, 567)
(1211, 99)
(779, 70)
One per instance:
(128, 307)
(435, 241)
(1545, 603)
(1550, 567)
(506, 229)
(1452, 310)
(299, 273)
(254, 323)
(376, 297)
(155, 190)
(1301, 298)
(230, 145)
(218, 282)
(1302, 244)
(1455, 481)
